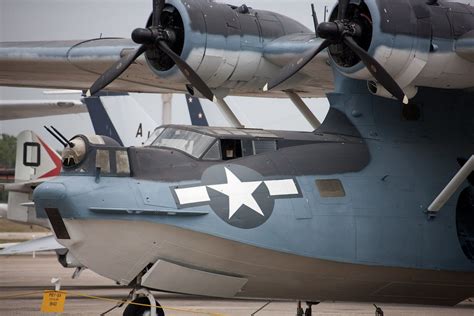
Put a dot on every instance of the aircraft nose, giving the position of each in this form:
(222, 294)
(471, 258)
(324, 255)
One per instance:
(49, 191)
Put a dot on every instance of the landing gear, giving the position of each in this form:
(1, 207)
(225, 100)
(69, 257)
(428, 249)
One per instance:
(139, 310)
(378, 311)
(142, 298)
(299, 309)
(308, 311)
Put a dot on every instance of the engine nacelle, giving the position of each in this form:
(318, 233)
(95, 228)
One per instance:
(414, 41)
(67, 260)
(223, 43)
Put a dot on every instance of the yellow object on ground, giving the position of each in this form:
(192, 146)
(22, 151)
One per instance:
(53, 301)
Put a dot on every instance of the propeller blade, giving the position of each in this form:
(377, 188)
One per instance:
(379, 73)
(115, 70)
(315, 19)
(342, 9)
(158, 6)
(188, 72)
(296, 65)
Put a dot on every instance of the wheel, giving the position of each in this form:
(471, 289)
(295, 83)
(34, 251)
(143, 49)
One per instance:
(137, 310)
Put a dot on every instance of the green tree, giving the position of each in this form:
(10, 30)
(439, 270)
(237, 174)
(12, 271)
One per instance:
(7, 157)
(7, 151)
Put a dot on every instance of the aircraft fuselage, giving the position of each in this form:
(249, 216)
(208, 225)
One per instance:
(338, 214)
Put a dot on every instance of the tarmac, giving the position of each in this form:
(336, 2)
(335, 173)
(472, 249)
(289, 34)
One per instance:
(23, 235)
(24, 278)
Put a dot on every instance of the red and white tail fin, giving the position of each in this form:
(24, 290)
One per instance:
(34, 158)
(35, 162)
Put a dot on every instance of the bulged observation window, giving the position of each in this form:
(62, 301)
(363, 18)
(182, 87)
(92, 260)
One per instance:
(190, 142)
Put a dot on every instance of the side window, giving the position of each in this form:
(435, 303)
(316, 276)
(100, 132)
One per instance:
(102, 160)
(121, 159)
(330, 188)
(263, 146)
(231, 149)
(247, 147)
(214, 153)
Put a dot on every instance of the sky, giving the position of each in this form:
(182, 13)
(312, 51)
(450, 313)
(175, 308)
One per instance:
(41, 20)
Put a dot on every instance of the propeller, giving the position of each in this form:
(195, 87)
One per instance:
(155, 37)
(341, 31)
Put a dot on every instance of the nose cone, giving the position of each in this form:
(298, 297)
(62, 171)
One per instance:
(142, 36)
(328, 30)
(49, 191)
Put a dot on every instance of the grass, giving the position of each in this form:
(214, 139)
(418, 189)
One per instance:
(13, 227)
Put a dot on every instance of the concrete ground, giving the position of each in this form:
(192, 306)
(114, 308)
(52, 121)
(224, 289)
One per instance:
(24, 275)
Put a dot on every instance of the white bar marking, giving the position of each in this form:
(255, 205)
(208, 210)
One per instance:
(192, 195)
(281, 187)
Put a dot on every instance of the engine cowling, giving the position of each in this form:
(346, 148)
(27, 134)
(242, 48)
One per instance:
(223, 43)
(412, 40)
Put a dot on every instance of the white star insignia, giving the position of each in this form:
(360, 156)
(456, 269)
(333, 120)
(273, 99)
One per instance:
(239, 193)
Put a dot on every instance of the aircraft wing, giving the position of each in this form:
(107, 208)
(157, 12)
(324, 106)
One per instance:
(77, 64)
(11, 110)
(40, 244)
(73, 65)
(316, 77)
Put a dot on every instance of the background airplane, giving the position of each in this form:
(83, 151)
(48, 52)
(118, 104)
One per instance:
(21, 109)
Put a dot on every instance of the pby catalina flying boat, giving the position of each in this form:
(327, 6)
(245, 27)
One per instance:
(348, 212)
(375, 205)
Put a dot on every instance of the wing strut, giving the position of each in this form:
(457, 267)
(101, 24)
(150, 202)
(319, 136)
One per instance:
(227, 112)
(451, 188)
(303, 108)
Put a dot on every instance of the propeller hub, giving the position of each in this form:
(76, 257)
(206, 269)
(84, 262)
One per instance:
(143, 36)
(151, 35)
(336, 30)
(328, 30)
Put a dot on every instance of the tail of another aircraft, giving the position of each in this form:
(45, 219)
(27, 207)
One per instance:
(35, 163)
(120, 117)
(196, 113)
(34, 158)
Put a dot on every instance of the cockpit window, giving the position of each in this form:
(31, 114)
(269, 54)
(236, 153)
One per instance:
(194, 144)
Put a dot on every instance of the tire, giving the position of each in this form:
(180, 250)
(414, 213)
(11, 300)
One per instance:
(137, 310)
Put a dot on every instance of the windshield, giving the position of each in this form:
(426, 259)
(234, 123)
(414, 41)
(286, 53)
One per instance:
(153, 136)
(194, 144)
